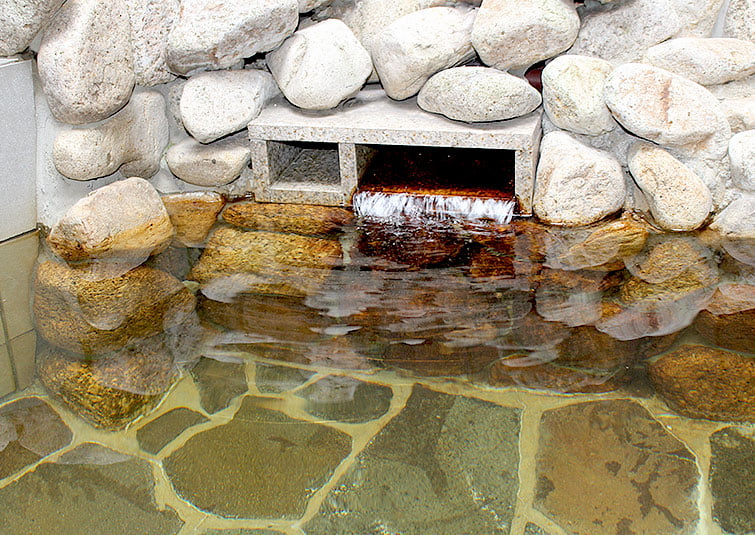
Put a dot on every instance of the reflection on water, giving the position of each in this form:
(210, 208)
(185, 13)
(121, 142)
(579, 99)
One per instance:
(283, 318)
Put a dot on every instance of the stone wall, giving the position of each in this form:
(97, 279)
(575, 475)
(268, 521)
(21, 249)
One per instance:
(656, 118)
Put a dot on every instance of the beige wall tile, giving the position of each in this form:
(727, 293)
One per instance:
(24, 349)
(17, 258)
(6, 372)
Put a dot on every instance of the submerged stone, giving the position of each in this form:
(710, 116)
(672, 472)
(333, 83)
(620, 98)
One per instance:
(29, 430)
(219, 383)
(294, 218)
(703, 382)
(732, 479)
(271, 379)
(729, 319)
(346, 400)
(161, 431)
(99, 491)
(445, 464)
(111, 391)
(265, 464)
(90, 316)
(609, 467)
(528, 371)
(236, 261)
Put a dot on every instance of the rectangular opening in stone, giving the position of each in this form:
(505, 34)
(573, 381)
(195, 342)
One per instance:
(303, 165)
(437, 183)
(485, 173)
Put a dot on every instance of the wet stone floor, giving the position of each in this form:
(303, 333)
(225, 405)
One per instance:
(303, 373)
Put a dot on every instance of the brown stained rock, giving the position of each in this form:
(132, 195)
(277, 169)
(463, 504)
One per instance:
(702, 382)
(29, 430)
(125, 219)
(277, 327)
(434, 357)
(508, 371)
(193, 214)
(588, 348)
(729, 319)
(89, 316)
(732, 331)
(236, 261)
(293, 218)
(263, 464)
(671, 268)
(114, 390)
(411, 246)
(609, 467)
(604, 245)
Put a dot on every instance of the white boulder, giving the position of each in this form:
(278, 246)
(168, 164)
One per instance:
(85, 61)
(512, 34)
(668, 109)
(214, 164)
(738, 22)
(151, 22)
(133, 140)
(320, 66)
(705, 61)
(620, 32)
(737, 221)
(576, 184)
(742, 158)
(573, 94)
(678, 199)
(478, 94)
(215, 104)
(21, 20)
(418, 45)
(215, 34)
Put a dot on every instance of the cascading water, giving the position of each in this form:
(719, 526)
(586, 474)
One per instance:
(437, 185)
(391, 206)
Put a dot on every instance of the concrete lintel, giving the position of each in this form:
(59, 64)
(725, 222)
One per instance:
(372, 118)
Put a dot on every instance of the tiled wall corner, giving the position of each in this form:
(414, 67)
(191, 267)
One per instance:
(18, 138)
(17, 339)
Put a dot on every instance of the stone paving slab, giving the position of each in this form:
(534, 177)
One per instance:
(372, 118)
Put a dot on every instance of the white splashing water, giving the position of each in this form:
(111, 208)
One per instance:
(438, 207)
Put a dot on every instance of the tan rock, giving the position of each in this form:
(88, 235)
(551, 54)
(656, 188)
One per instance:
(670, 270)
(125, 219)
(89, 316)
(193, 214)
(112, 391)
(235, 262)
(603, 244)
(702, 382)
(293, 218)
(729, 319)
